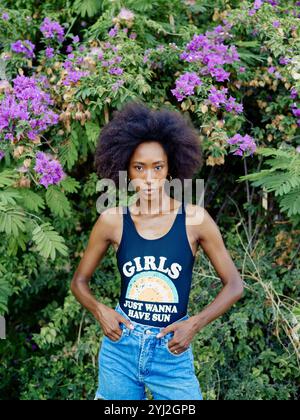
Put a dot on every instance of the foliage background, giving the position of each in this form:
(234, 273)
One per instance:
(252, 352)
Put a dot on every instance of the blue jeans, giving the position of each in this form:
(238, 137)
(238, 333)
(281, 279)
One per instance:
(137, 359)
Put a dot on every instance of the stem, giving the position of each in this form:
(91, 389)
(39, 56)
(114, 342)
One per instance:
(249, 200)
(70, 27)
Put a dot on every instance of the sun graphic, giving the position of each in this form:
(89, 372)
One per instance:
(151, 286)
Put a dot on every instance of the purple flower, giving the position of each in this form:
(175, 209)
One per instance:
(113, 32)
(133, 35)
(52, 29)
(243, 144)
(68, 65)
(257, 4)
(79, 60)
(76, 39)
(273, 2)
(125, 14)
(230, 105)
(5, 16)
(185, 85)
(116, 70)
(49, 52)
(107, 45)
(73, 76)
(25, 47)
(294, 93)
(296, 111)
(220, 74)
(117, 84)
(284, 60)
(50, 169)
(277, 75)
(219, 97)
(9, 136)
(210, 53)
(31, 135)
(25, 111)
(276, 23)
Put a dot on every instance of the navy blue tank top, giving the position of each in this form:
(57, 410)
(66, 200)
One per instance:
(155, 274)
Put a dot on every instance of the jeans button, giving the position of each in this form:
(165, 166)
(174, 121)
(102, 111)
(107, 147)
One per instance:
(148, 332)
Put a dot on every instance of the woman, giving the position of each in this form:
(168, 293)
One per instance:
(147, 336)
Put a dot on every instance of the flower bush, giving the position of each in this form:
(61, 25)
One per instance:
(234, 69)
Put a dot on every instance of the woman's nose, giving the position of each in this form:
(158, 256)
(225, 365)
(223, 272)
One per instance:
(149, 175)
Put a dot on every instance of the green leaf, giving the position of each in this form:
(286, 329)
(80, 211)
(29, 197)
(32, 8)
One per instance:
(87, 7)
(9, 196)
(48, 242)
(5, 292)
(58, 202)
(70, 184)
(68, 153)
(14, 243)
(30, 200)
(291, 202)
(8, 177)
(247, 44)
(282, 178)
(12, 220)
(92, 131)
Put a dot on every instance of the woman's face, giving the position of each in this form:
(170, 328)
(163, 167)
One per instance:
(148, 169)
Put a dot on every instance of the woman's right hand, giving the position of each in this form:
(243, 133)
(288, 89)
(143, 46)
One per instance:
(109, 320)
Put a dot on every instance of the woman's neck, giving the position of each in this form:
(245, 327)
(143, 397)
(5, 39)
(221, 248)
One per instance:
(162, 204)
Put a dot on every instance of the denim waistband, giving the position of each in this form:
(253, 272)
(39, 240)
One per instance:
(141, 328)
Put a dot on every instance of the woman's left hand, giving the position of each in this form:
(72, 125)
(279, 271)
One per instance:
(184, 332)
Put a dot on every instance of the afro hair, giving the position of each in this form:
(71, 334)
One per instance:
(135, 123)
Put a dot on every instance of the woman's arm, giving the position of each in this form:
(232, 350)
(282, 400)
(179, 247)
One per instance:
(210, 239)
(99, 241)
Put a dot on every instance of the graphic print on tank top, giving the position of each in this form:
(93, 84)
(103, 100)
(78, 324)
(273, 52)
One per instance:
(155, 274)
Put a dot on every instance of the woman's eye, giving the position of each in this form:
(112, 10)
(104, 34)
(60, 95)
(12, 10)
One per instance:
(140, 167)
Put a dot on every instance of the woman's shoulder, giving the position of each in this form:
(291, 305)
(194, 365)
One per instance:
(109, 221)
(195, 213)
(203, 224)
(111, 216)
